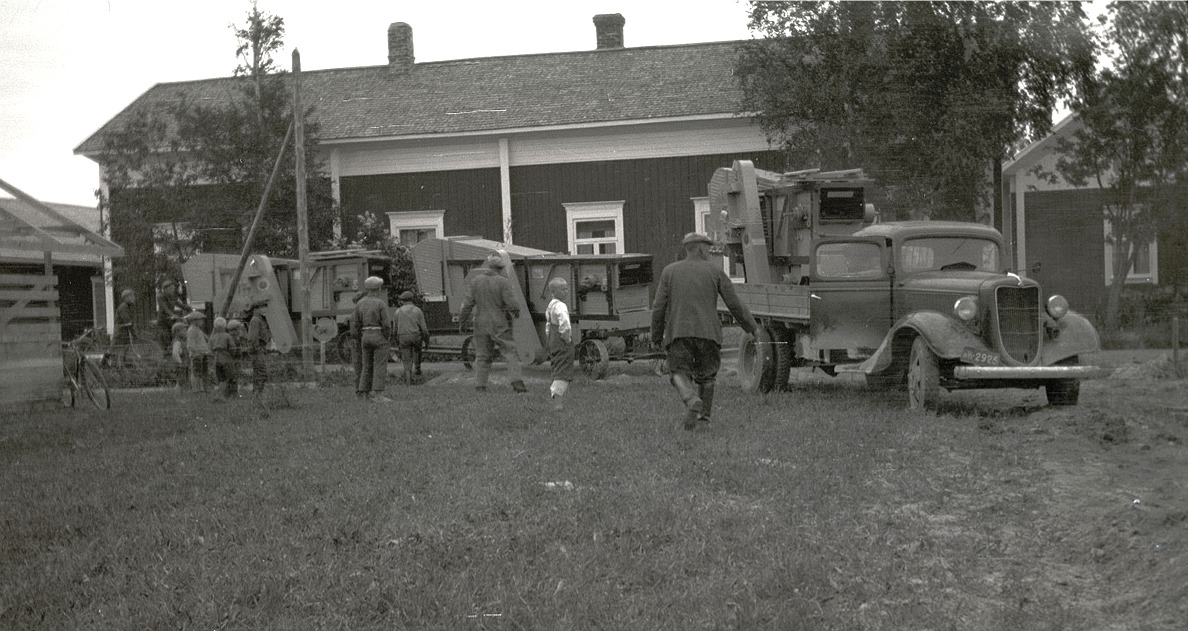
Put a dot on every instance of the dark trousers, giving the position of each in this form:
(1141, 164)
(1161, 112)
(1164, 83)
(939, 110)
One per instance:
(373, 371)
(410, 355)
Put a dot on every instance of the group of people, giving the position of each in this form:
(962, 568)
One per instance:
(685, 324)
(198, 357)
(374, 328)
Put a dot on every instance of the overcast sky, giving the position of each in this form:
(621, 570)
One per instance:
(69, 66)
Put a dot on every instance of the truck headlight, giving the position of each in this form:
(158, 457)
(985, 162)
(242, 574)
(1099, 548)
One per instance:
(966, 308)
(1057, 306)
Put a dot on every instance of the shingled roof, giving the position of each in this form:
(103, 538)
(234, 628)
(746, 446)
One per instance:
(495, 93)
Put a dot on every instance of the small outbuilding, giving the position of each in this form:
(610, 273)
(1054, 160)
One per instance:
(38, 247)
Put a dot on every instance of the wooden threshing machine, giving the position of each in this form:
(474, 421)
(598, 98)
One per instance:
(609, 303)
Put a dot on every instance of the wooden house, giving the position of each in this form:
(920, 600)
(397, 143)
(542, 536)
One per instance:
(606, 150)
(1057, 231)
(48, 266)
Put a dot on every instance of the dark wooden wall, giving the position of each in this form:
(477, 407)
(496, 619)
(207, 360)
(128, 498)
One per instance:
(657, 209)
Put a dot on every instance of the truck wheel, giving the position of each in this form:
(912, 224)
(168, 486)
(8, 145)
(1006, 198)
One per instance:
(756, 362)
(1064, 392)
(344, 348)
(923, 377)
(593, 358)
(782, 341)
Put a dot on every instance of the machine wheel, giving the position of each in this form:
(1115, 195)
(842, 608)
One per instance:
(782, 341)
(468, 352)
(923, 377)
(756, 362)
(344, 348)
(593, 358)
(1064, 392)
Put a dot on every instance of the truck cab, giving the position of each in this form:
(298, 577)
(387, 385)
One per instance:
(913, 305)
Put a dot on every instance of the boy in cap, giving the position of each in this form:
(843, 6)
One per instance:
(559, 333)
(198, 348)
(371, 325)
(411, 334)
(181, 359)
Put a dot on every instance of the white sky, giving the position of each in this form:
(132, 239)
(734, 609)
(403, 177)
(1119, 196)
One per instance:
(69, 66)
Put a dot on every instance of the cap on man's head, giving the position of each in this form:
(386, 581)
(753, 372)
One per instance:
(126, 293)
(234, 325)
(696, 237)
(406, 296)
(194, 315)
(259, 302)
(494, 261)
(373, 282)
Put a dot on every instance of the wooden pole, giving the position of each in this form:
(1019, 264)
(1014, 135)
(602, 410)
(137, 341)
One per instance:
(302, 219)
(251, 235)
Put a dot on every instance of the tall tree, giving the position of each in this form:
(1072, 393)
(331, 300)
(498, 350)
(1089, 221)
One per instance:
(927, 97)
(1132, 141)
(201, 166)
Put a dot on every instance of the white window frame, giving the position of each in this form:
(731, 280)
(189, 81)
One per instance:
(701, 211)
(576, 212)
(1151, 277)
(416, 220)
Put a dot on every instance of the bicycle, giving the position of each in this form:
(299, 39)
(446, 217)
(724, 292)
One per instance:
(137, 358)
(82, 373)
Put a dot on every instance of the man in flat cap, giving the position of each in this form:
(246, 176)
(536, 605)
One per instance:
(371, 325)
(492, 301)
(411, 334)
(685, 322)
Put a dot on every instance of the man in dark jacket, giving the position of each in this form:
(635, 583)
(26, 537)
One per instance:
(371, 325)
(685, 320)
(490, 297)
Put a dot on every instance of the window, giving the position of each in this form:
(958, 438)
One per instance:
(849, 260)
(701, 223)
(411, 227)
(949, 253)
(176, 240)
(1146, 263)
(595, 227)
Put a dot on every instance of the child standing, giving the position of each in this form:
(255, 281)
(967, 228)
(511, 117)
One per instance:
(559, 333)
(237, 332)
(222, 347)
(198, 349)
(256, 345)
(411, 334)
(181, 359)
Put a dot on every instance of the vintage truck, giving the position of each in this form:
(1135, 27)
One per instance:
(915, 305)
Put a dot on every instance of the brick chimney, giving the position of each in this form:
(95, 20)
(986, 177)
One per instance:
(610, 30)
(400, 47)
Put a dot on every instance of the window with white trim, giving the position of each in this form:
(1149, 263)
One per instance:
(594, 227)
(410, 227)
(701, 223)
(1145, 270)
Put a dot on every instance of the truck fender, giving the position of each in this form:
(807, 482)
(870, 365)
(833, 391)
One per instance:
(945, 337)
(1074, 335)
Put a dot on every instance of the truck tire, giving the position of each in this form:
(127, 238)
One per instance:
(783, 342)
(756, 362)
(1064, 392)
(923, 377)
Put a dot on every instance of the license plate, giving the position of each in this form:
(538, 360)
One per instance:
(980, 358)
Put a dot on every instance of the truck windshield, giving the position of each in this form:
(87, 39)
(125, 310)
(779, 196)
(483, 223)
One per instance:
(949, 253)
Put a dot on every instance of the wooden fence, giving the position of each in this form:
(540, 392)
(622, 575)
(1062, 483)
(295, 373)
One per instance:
(30, 341)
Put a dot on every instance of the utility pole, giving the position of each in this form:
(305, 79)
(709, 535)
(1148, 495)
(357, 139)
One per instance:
(302, 219)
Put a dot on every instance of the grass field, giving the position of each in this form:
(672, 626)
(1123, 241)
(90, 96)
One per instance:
(822, 507)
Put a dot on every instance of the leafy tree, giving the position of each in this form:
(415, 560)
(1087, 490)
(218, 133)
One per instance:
(927, 97)
(202, 167)
(1132, 140)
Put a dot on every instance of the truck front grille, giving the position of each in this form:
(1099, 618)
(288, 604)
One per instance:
(1017, 322)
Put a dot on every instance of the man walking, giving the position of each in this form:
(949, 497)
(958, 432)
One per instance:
(493, 302)
(685, 320)
(370, 325)
(411, 334)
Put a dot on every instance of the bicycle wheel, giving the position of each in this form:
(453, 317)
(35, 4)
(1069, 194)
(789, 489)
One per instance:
(140, 360)
(94, 385)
